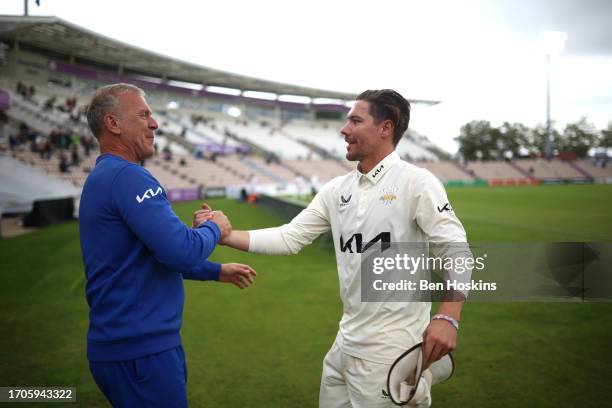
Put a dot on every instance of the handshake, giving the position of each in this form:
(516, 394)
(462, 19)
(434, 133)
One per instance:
(207, 214)
(238, 274)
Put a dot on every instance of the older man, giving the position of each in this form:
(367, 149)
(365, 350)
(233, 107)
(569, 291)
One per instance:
(136, 253)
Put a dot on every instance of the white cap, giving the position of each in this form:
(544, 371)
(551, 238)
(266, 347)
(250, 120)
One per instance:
(406, 372)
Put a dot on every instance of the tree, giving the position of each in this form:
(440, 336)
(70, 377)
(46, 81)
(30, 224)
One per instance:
(512, 137)
(606, 137)
(579, 138)
(536, 140)
(476, 140)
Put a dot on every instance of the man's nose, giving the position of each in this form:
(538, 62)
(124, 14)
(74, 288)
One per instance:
(344, 131)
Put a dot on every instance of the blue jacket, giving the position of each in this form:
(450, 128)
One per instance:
(136, 253)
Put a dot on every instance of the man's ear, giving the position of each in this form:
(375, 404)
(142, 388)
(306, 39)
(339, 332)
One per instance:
(387, 128)
(111, 123)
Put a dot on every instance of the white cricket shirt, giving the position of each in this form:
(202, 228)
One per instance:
(396, 197)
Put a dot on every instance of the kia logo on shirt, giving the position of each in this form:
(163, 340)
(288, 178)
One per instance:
(383, 237)
(446, 207)
(148, 194)
(378, 170)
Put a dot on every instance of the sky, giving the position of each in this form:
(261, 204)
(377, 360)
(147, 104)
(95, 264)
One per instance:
(480, 58)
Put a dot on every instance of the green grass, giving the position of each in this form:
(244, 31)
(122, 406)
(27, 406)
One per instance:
(537, 214)
(263, 347)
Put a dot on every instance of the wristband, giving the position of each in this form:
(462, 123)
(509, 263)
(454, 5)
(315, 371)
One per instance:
(449, 319)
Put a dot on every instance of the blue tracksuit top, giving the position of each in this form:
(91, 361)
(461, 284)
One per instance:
(136, 253)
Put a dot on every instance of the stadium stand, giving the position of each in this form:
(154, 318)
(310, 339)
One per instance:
(181, 136)
(265, 136)
(447, 170)
(494, 170)
(549, 169)
(326, 136)
(206, 140)
(599, 172)
(323, 170)
(168, 176)
(410, 150)
(21, 185)
(176, 167)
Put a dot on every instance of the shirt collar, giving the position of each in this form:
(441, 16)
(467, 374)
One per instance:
(381, 168)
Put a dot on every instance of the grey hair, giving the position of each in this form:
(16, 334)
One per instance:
(105, 100)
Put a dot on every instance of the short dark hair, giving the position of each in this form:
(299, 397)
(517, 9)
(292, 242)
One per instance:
(387, 104)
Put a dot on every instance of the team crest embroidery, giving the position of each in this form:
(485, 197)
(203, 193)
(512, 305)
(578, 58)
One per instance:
(388, 195)
(345, 200)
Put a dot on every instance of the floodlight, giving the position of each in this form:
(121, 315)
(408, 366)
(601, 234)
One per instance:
(552, 42)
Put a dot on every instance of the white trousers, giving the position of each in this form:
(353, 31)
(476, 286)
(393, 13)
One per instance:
(351, 382)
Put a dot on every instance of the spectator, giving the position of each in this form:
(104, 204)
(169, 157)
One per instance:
(64, 140)
(3, 125)
(54, 137)
(86, 142)
(167, 153)
(13, 142)
(63, 164)
(49, 103)
(45, 152)
(21, 89)
(74, 139)
(34, 142)
(76, 160)
(23, 134)
(70, 104)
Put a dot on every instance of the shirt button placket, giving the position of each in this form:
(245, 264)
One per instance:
(363, 199)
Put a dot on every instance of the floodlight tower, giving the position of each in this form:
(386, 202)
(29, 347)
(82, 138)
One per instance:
(552, 43)
(25, 7)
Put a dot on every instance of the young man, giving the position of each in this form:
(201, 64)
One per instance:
(136, 253)
(385, 195)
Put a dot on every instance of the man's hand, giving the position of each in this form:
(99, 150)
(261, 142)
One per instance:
(237, 274)
(202, 215)
(222, 222)
(207, 214)
(439, 339)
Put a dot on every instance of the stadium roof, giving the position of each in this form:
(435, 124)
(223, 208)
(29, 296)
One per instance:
(72, 41)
